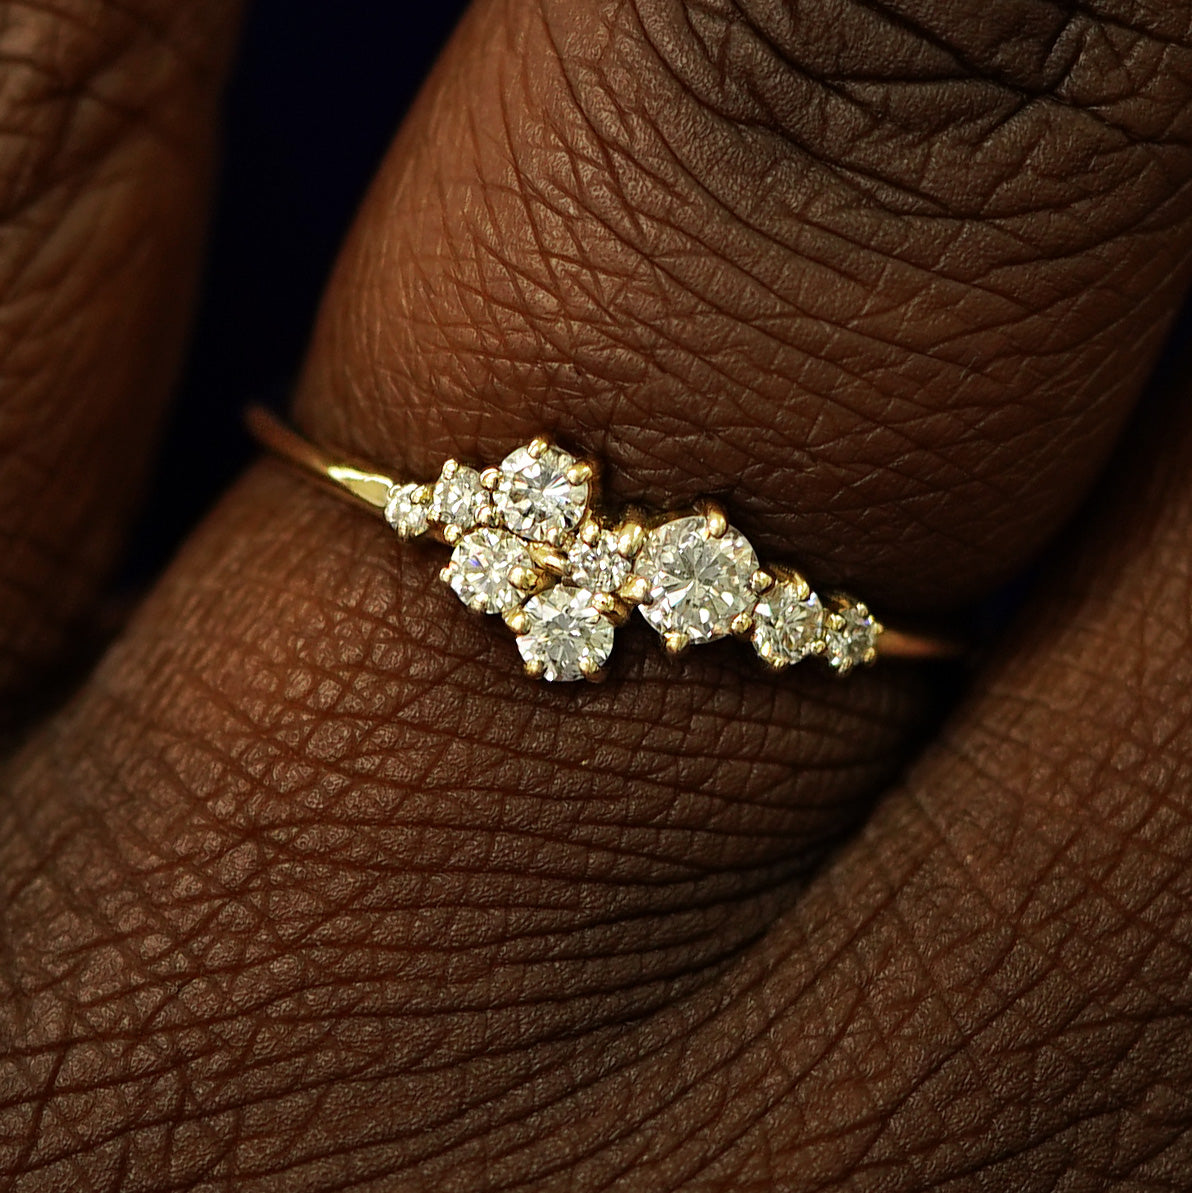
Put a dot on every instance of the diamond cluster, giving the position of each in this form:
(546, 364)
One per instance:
(528, 545)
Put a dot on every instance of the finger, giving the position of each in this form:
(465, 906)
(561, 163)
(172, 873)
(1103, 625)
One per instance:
(890, 291)
(990, 988)
(108, 114)
(412, 899)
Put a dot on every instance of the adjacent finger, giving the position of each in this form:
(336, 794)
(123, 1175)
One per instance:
(108, 112)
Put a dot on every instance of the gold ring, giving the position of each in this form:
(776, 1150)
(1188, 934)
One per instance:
(532, 544)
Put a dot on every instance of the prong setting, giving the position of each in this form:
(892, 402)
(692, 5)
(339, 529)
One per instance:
(676, 643)
(761, 582)
(715, 518)
(529, 546)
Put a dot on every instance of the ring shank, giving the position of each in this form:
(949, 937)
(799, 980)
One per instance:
(362, 484)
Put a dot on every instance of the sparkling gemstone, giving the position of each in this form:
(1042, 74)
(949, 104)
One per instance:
(698, 583)
(406, 513)
(534, 496)
(850, 636)
(565, 636)
(479, 570)
(598, 565)
(458, 497)
(787, 624)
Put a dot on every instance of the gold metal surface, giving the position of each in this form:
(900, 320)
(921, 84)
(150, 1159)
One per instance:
(365, 486)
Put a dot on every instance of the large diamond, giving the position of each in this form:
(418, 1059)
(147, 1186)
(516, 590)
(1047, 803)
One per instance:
(479, 570)
(698, 583)
(458, 497)
(566, 637)
(788, 624)
(599, 565)
(534, 496)
(851, 637)
(407, 511)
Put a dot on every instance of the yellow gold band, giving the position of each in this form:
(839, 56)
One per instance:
(530, 546)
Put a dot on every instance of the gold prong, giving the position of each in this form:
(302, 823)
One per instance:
(423, 494)
(714, 518)
(490, 478)
(629, 539)
(580, 473)
(525, 579)
(534, 668)
(486, 516)
(537, 446)
(593, 672)
(741, 624)
(589, 532)
(615, 610)
(761, 581)
(450, 468)
(676, 643)
(517, 621)
(445, 575)
(550, 560)
(452, 535)
(635, 590)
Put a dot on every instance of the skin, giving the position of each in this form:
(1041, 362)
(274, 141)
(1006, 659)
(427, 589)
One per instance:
(306, 889)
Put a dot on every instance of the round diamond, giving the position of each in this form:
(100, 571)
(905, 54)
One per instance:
(534, 496)
(698, 583)
(787, 624)
(851, 637)
(599, 565)
(566, 637)
(458, 497)
(406, 513)
(479, 570)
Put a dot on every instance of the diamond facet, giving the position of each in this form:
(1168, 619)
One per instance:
(599, 565)
(480, 567)
(458, 497)
(566, 637)
(787, 624)
(851, 637)
(406, 513)
(534, 495)
(698, 583)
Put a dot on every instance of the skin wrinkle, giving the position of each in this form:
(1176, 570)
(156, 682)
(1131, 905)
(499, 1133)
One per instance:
(535, 226)
(307, 891)
(106, 116)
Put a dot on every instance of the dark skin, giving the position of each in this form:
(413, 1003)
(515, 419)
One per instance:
(307, 889)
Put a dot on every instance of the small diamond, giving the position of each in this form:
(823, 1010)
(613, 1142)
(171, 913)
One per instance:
(479, 570)
(788, 624)
(566, 636)
(599, 565)
(698, 583)
(851, 637)
(534, 496)
(459, 497)
(406, 513)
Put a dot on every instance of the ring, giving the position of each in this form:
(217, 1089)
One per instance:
(532, 543)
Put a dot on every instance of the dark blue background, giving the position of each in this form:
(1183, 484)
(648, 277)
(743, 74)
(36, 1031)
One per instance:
(317, 94)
